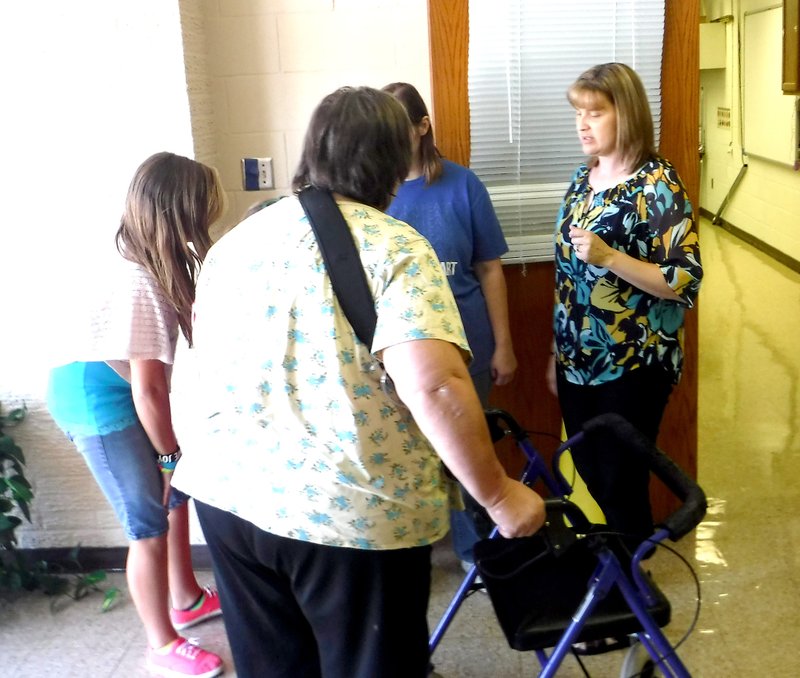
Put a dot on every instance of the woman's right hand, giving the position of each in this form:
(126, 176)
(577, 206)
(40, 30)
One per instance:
(550, 375)
(519, 511)
(166, 478)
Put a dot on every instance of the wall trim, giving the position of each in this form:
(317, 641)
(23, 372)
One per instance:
(760, 245)
(101, 558)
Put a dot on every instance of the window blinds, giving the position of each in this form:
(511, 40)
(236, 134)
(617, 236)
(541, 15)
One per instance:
(523, 55)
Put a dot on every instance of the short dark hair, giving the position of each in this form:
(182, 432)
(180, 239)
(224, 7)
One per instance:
(358, 144)
(412, 101)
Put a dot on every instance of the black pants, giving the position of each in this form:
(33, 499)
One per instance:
(621, 489)
(294, 609)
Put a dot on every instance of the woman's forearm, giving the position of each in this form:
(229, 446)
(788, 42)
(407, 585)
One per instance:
(643, 274)
(647, 276)
(433, 381)
(493, 285)
(151, 399)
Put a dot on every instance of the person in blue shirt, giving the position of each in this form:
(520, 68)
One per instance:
(449, 205)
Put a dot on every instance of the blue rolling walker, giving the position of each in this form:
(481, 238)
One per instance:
(576, 582)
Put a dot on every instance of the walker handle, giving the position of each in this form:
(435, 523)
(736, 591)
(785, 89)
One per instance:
(501, 423)
(693, 508)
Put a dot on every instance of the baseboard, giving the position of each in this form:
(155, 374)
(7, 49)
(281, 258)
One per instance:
(760, 245)
(96, 558)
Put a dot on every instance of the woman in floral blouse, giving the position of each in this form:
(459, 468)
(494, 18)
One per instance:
(627, 264)
(319, 495)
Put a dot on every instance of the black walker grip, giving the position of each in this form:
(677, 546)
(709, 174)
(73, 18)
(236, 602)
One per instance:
(693, 500)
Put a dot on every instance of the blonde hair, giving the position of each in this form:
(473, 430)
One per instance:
(171, 202)
(623, 88)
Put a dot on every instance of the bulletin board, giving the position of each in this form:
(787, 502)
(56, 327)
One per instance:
(770, 117)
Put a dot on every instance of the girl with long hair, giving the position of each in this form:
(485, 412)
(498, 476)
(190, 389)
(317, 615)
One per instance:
(111, 397)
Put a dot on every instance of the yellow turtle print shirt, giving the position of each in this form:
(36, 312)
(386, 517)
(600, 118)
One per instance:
(286, 423)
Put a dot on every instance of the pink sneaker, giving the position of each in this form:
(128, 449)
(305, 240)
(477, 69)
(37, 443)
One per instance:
(208, 608)
(184, 659)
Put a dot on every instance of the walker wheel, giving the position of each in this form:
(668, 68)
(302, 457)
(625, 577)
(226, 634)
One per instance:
(639, 664)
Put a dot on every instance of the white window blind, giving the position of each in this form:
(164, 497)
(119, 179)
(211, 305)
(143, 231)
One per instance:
(523, 55)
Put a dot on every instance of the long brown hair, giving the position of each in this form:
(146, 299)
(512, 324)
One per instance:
(171, 202)
(623, 88)
(430, 156)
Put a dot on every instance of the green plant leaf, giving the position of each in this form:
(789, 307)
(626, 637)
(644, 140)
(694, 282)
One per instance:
(20, 480)
(17, 414)
(14, 581)
(7, 540)
(18, 468)
(93, 578)
(74, 553)
(8, 522)
(54, 585)
(81, 590)
(10, 450)
(16, 572)
(109, 598)
(20, 487)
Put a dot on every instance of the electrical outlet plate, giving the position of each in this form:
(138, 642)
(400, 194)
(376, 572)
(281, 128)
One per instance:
(265, 173)
(257, 174)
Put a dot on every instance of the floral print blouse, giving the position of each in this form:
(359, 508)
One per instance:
(605, 326)
(279, 407)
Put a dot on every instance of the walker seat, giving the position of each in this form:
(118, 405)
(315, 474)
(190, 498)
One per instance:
(536, 584)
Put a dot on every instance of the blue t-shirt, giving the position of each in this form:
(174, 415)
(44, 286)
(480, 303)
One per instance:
(90, 398)
(456, 215)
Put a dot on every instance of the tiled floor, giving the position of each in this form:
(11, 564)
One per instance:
(746, 552)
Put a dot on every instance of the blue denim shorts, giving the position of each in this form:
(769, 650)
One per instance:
(124, 465)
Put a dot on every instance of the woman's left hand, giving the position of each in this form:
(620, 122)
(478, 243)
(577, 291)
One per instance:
(589, 247)
(503, 365)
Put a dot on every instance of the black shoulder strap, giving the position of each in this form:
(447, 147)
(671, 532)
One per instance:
(341, 258)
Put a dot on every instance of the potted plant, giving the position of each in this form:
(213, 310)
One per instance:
(16, 572)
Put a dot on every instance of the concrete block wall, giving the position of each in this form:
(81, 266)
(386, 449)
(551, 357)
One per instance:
(272, 61)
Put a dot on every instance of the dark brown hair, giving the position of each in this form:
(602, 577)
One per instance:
(358, 144)
(415, 107)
